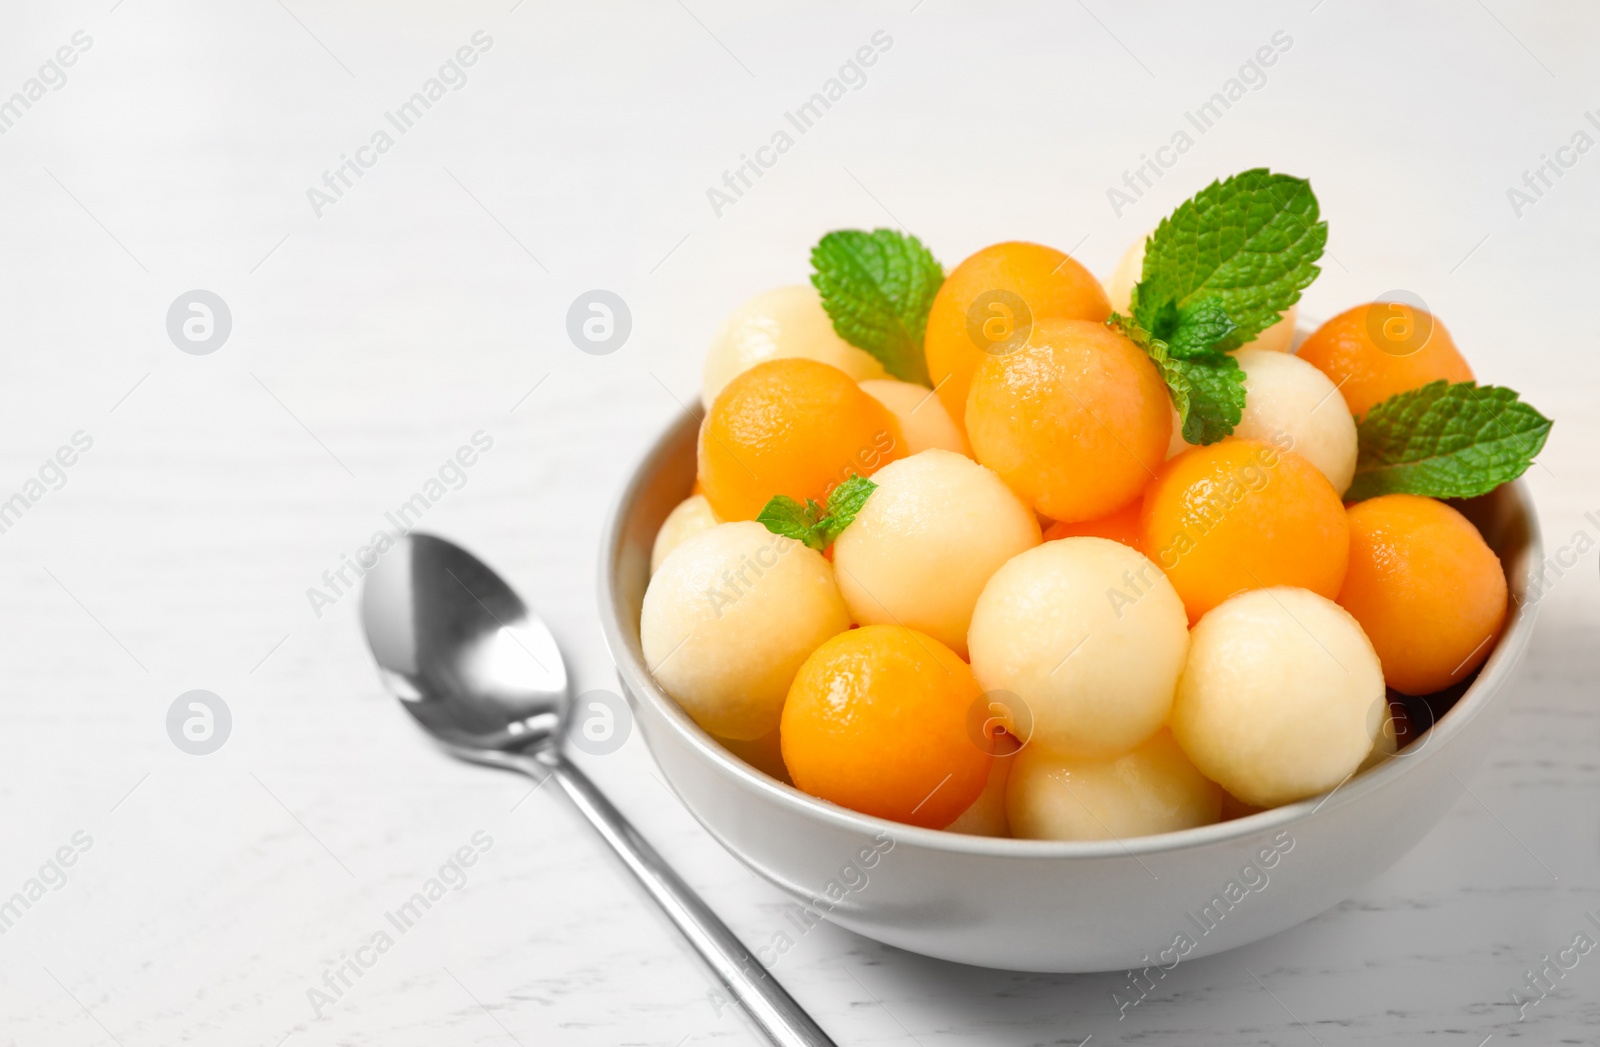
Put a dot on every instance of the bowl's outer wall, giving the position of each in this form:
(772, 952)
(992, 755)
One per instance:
(1036, 906)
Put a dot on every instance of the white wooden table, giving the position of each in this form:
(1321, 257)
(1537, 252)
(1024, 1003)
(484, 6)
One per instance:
(374, 333)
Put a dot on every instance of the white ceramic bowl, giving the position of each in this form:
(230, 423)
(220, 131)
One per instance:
(1039, 905)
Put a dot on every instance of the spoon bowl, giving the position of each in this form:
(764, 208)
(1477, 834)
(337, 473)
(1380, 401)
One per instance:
(480, 672)
(466, 657)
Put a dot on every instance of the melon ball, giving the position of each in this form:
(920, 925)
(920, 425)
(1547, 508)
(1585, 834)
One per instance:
(765, 754)
(1294, 406)
(687, 519)
(1383, 747)
(786, 321)
(924, 422)
(1280, 336)
(1282, 697)
(1130, 267)
(925, 543)
(987, 815)
(729, 617)
(1275, 339)
(1233, 807)
(1153, 789)
(1090, 637)
(1075, 421)
(1395, 733)
(1177, 445)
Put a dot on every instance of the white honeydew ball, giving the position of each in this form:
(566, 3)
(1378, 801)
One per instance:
(1282, 697)
(687, 519)
(1153, 789)
(1294, 406)
(1089, 636)
(926, 541)
(1276, 338)
(729, 617)
(765, 754)
(1176, 444)
(1129, 268)
(1233, 807)
(987, 815)
(1280, 336)
(783, 322)
(1385, 746)
(924, 422)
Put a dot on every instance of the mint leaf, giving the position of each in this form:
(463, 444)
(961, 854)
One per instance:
(1446, 441)
(808, 523)
(1217, 272)
(843, 505)
(1215, 391)
(1250, 241)
(877, 288)
(783, 515)
(1199, 329)
(1207, 388)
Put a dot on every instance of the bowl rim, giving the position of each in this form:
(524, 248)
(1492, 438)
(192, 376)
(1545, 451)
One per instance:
(641, 687)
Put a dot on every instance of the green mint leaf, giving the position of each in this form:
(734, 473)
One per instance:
(808, 523)
(783, 515)
(1214, 390)
(1200, 328)
(1446, 441)
(1207, 388)
(877, 288)
(843, 505)
(1250, 241)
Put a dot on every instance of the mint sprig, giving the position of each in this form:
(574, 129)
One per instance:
(1208, 393)
(1217, 272)
(1446, 440)
(810, 523)
(877, 288)
(1199, 329)
(1250, 242)
(1206, 387)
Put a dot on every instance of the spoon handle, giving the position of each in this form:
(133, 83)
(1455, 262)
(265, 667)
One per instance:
(773, 1010)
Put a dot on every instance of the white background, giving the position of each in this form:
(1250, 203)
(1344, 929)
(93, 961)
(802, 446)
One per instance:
(369, 343)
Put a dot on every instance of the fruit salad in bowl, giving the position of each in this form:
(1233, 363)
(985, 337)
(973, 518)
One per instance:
(1066, 603)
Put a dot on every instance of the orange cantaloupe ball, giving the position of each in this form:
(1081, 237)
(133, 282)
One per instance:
(1121, 526)
(791, 426)
(1242, 514)
(991, 299)
(1376, 350)
(1426, 588)
(877, 721)
(1076, 421)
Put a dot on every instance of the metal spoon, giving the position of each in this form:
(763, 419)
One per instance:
(482, 674)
